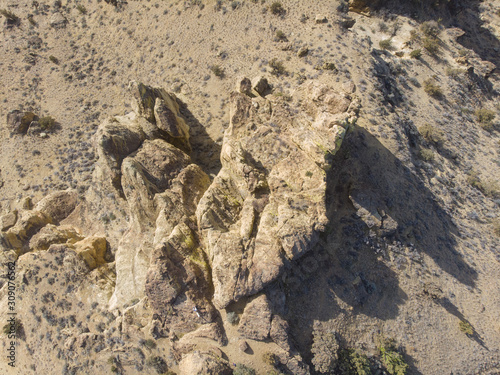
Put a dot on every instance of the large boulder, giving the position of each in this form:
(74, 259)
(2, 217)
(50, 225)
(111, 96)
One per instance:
(261, 209)
(255, 322)
(58, 205)
(204, 363)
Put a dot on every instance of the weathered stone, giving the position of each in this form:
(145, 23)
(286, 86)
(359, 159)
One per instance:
(144, 99)
(27, 225)
(58, 21)
(92, 250)
(51, 234)
(8, 220)
(261, 85)
(201, 363)
(34, 128)
(347, 22)
(212, 331)
(168, 120)
(58, 205)
(261, 211)
(303, 52)
(18, 122)
(244, 85)
(320, 18)
(256, 319)
(361, 6)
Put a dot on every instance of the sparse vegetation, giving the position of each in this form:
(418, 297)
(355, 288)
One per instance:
(270, 358)
(276, 8)
(466, 328)
(351, 362)
(217, 70)
(426, 154)
(392, 359)
(485, 118)
(430, 29)
(431, 134)
(280, 36)
(416, 53)
(277, 67)
(431, 44)
(158, 363)
(47, 123)
(232, 317)
(81, 9)
(150, 344)
(433, 89)
(385, 44)
(241, 369)
(16, 328)
(496, 227)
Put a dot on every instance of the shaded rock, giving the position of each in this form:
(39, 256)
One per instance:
(320, 18)
(256, 319)
(201, 363)
(303, 52)
(361, 6)
(261, 85)
(58, 205)
(170, 123)
(260, 211)
(8, 220)
(244, 86)
(279, 333)
(51, 234)
(244, 347)
(347, 22)
(58, 21)
(18, 122)
(27, 225)
(144, 100)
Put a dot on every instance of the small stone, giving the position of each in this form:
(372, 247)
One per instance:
(8, 220)
(27, 203)
(244, 347)
(44, 135)
(303, 52)
(321, 18)
(58, 21)
(261, 85)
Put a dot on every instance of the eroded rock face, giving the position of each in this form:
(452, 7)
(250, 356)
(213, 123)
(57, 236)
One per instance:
(267, 204)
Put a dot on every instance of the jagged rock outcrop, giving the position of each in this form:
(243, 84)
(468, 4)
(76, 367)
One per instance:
(261, 210)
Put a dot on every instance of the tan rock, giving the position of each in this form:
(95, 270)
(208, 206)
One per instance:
(168, 120)
(255, 322)
(58, 205)
(27, 225)
(92, 250)
(261, 85)
(8, 220)
(51, 234)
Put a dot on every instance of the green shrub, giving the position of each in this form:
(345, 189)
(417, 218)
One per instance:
(150, 344)
(81, 9)
(232, 317)
(54, 59)
(426, 154)
(485, 118)
(158, 363)
(466, 328)
(431, 134)
(217, 70)
(432, 89)
(431, 44)
(16, 328)
(241, 369)
(392, 359)
(270, 359)
(385, 44)
(329, 66)
(276, 8)
(280, 35)
(47, 123)
(351, 362)
(277, 67)
(430, 29)
(416, 54)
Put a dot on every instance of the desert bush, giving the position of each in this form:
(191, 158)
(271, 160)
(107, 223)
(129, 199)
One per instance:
(276, 8)
(81, 9)
(47, 123)
(385, 44)
(232, 317)
(431, 134)
(217, 70)
(270, 358)
(280, 35)
(426, 154)
(433, 89)
(466, 328)
(9, 15)
(277, 67)
(351, 362)
(431, 44)
(454, 72)
(430, 29)
(485, 118)
(17, 329)
(241, 369)
(158, 363)
(392, 359)
(416, 53)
